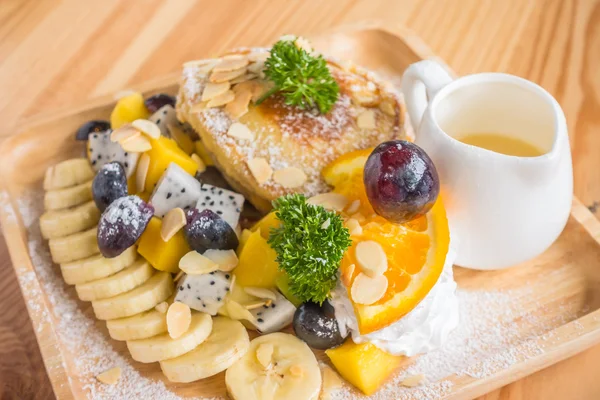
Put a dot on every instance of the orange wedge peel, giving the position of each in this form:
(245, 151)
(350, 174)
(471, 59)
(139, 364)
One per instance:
(416, 251)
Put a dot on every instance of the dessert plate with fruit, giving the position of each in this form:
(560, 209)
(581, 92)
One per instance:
(266, 228)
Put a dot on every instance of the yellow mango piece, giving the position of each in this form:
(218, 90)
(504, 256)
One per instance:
(363, 365)
(265, 224)
(128, 109)
(257, 265)
(165, 151)
(203, 153)
(243, 239)
(164, 256)
(283, 284)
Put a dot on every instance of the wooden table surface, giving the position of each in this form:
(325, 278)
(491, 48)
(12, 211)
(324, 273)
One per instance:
(54, 54)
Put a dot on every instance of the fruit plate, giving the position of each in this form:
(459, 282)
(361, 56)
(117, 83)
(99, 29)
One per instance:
(513, 322)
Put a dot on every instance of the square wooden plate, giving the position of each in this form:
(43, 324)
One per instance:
(560, 290)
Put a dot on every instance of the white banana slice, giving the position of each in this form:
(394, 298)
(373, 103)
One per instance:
(74, 247)
(123, 281)
(276, 366)
(68, 173)
(61, 223)
(96, 267)
(163, 347)
(143, 298)
(60, 199)
(225, 345)
(140, 326)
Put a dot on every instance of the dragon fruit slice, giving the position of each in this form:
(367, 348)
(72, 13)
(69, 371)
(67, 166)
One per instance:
(176, 188)
(163, 117)
(205, 293)
(101, 151)
(225, 203)
(274, 317)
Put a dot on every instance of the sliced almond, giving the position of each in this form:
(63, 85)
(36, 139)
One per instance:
(243, 78)
(296, 371)
(212, 90)
(162, 307)
(198, 107)
(264, 354)
(359, 217)
(366, 290)
(233, 278)
(239, 106)
(388, 107)
(413, 380)
(261, 293)
(331, 380)
(366, 120)
(124, 132)
(136, 144)
(221, 99)
(194, 263)
(353, 207)
(258, 56)
(178, 276)
(371, 258)
(141, 172)
(147, 127)
(346, 275)
(225, 76)
(111, 376)
(257, 68)
(205, 66)
(354, 227)
(240, 131)
(326, 224)
(227, 260)
(290, 177)
(231, 63)
(253, 306)
(260, 169)
(179, 317)
(238, 312)
(201, 166)
(329, 201)
(172, 222)
(260, 89)
(268, 303)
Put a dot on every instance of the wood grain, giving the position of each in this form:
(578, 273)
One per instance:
(58, 53)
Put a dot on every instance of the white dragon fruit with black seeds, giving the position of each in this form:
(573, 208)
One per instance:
(101, 151)
(163, 117)
(274, 317)
(225, 203)
(175, 189)
(206, 292)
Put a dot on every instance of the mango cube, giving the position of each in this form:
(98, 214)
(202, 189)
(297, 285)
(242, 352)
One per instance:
(128, 109)
(283, 284)
(265, 224)
(243, 239)
(165, 151)
(257, 264)
(203, 153)
(363, 365)
(164, 256)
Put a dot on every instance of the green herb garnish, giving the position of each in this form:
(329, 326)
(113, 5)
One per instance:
(302, 78)
(308, 249)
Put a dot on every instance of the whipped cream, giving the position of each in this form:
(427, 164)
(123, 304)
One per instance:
(425, 328)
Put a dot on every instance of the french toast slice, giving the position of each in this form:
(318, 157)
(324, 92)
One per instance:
(366, 113)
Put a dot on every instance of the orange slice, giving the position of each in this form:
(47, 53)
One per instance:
(416, 251)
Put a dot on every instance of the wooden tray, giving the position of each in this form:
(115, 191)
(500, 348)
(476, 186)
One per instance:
(562, 285)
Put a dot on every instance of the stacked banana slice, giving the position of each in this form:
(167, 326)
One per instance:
(132, 297)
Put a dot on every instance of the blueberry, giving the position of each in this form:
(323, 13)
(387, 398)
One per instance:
(206, 230)
(157, 101)
(110, 183)
(122, 224)
(317, 326)
(92, 126)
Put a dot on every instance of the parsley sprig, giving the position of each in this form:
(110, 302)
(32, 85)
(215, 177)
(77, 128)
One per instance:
(302, 78)
(308, 249)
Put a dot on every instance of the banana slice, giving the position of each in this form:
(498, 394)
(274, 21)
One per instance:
(74, 247)
(96, 267)
(60, 223)
(144, 297)
(276, 366)
(129, 278)
(227, 343)
(140, 326)
(60, 199)
(163, 347)
(68, 173)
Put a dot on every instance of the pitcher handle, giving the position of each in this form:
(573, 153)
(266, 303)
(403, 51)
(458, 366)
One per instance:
(420, 82)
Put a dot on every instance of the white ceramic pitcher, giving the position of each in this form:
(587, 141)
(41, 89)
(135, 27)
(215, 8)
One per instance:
(502, 209)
